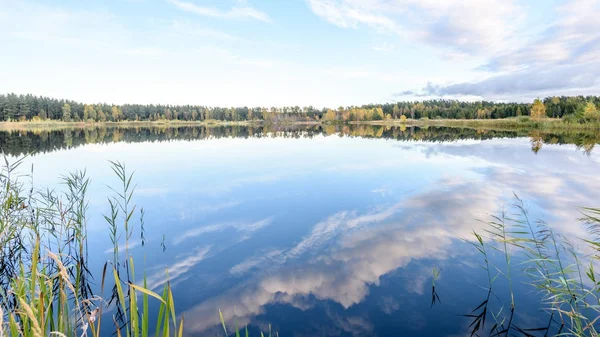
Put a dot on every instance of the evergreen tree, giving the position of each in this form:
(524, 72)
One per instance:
(66, 113)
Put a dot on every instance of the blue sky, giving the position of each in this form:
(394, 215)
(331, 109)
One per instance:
(299, 52)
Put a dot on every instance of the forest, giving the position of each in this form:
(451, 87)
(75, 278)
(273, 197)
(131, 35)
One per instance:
(36, 108)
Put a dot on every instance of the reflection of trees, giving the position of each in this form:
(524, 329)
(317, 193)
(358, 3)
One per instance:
(587, 143)
(536, 142)
(587, 148)
(21, 142)
(68, 138)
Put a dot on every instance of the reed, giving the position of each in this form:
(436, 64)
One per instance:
(237, 332)
(46, 284)
(564, 277)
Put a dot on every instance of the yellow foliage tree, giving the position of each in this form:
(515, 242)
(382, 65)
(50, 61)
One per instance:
(482, 113)
(360, 114)
(591, 113)
(330, 115)
(538, 109)
(403, 118)
(116, 113)
(377, 114)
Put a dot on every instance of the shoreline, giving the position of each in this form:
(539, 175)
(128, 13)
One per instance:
(56, 125)
(494, 124)
(504, 123)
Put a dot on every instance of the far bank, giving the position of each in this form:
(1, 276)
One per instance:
(522, 122)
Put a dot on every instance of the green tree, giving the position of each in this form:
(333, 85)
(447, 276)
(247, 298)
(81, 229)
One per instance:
(66, 113)
(42, 114)
(556, 111)
(92, 113)
(99, 112)
(88, 110)
(101, 116)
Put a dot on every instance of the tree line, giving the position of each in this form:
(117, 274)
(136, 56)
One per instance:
(37, 108)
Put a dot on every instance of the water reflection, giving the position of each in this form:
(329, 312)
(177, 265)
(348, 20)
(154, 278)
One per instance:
(327, 230)
(46, 140)
(346, 255)
(348, 252)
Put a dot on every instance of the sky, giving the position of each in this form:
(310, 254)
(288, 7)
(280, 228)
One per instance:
(299, 52)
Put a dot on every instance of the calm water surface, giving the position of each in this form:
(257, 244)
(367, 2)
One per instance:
(317, 233)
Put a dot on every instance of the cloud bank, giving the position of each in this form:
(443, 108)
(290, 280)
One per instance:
(524, 54)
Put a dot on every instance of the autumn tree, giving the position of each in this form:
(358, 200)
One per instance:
(330, 115)
(377, 114)
(481, 114)
(396, 111)
(538, 109)
(591, 113)
(100, 116)
(536, 142)
(88, 111)
(116, 113)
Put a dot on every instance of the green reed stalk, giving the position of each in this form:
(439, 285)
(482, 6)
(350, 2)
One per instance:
(48, 294)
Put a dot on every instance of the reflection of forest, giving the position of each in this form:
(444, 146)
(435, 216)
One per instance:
(23, 142)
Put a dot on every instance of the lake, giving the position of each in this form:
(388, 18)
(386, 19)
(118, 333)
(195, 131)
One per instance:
(324, 230)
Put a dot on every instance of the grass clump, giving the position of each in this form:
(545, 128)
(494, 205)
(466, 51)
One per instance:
(237, 331)
(564, 277)
(46, 286)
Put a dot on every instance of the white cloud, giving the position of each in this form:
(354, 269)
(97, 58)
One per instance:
(255, 261)
(524, 56)
(474, 26)
(560, 60)
(242, 227)
(234, 13)
(123, 247)
(349, 252)
(177, 269)
(382, 190)
(528, 83)
(471, 49)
